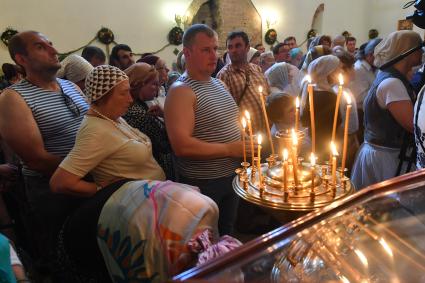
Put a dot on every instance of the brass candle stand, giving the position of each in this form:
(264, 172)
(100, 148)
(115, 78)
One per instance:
(313, 187)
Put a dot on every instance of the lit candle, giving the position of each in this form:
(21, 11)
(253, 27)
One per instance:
(248, 118)
(334, 155)
(285, 169)
(295, 157)
(260, 139)
(263, 105)
(313, 164)
(297, 113)
(338, 98)
(243, 138)
(347, 119)
(311, 102)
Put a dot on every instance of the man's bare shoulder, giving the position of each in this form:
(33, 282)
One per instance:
(179, 97)
(181, 89)
(9, 98)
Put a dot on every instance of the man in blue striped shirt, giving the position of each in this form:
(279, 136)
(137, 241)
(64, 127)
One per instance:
(202, 121)
(39, 119)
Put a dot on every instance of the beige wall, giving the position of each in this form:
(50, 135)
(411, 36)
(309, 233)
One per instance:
(144, 24)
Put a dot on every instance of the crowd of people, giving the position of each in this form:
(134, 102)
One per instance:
(126, 168)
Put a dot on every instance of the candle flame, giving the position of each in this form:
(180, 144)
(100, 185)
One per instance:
(312, 159)
(341, 79)
(248, 117)
(285, 154)
(260, 139)
(362, 257)
(260, 89)
(347, 97)
(297, 102)
(386, 247)
(344, 279)
(294, 137)
(333, 149)
(308, 78)
(243, 123)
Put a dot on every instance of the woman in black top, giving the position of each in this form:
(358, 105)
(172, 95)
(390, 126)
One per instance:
(144, 84)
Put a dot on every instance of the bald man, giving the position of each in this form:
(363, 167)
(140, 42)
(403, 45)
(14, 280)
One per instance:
(39, 119)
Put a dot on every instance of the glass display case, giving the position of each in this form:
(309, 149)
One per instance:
(374, 235)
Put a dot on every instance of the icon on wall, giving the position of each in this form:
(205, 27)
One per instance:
(405, 25)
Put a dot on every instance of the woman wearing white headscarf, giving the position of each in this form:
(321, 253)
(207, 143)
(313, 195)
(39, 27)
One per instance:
(75, 68)
(281, 101)
(388, 110)
(324, 73)
(281, 76)
(253, 56)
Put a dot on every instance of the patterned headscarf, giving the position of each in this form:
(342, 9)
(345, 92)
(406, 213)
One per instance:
(101, 80)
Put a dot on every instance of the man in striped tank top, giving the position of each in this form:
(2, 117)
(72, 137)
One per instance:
(202, 124)
(39, 119)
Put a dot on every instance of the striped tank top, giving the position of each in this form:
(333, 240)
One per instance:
(216, 121)
(58, 115)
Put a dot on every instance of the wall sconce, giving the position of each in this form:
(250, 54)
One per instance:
(181, 19)
(270, 22)
(270, 17)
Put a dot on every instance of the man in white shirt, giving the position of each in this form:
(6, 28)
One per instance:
(364, 73)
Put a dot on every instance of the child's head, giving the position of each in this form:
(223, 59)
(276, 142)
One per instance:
(281, 108)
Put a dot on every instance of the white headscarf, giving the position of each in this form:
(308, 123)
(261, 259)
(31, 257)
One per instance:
(281, 75)
(395, 44)
(74, 68)
(319, 70)
(251, 53)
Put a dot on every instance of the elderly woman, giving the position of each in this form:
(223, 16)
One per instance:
(139, 229)
(144, 85)
(160, 66)
(281, 77)
(162, 70)
(388, 111)
(324, 73)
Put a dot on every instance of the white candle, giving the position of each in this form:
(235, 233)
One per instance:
(259, 140)
(334, 162)
(243, 138)
(338, 98)
(312, 122)
(295, 157)
(297, 113)
(263, 106)
(347, 119)
(285, 169)
(248, 118)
